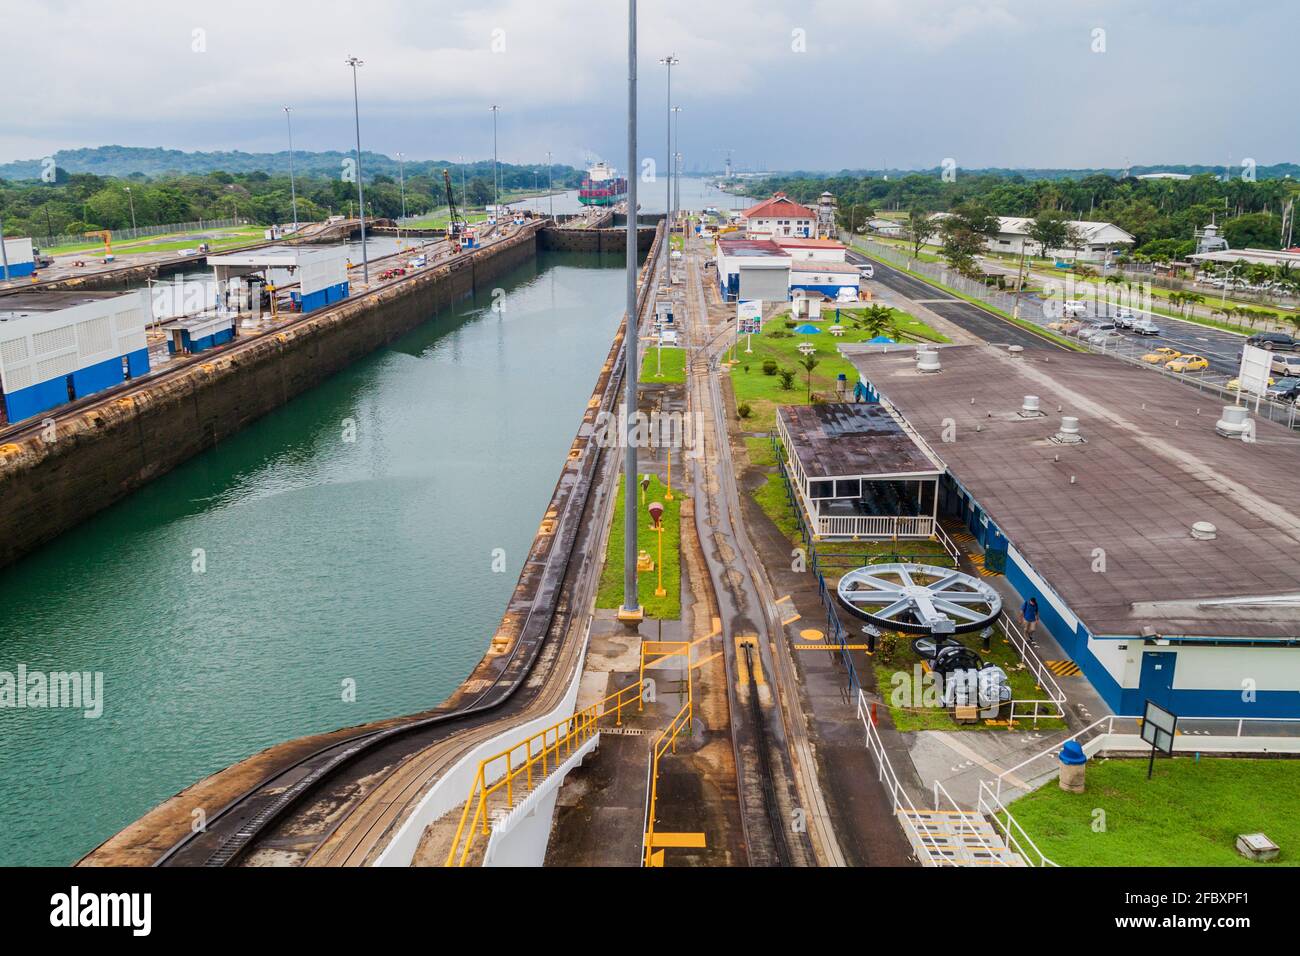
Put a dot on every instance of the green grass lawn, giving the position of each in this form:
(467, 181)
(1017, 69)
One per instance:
(904, 661)
(763, 393)
(761, 454)
(228, 237)
(671, 362)
(1188, 814)
(610, 594)
(772, 499)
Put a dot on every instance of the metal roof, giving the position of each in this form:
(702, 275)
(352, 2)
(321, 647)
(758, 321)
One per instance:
(846, 440)
(1150, 466)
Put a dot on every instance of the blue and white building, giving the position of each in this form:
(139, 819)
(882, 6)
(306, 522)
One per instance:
(1161, 553)
(21, 258)
(321, 274)
(831, 279)
(56, 348)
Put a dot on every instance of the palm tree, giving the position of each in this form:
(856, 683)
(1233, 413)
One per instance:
(809, 362)
(877, 320)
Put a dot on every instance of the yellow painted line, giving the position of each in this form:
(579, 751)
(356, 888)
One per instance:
(682, 840)
(829, 647)
(790, 620)
(750, 641)
(712, 656)
(657, 859)
(780, 599)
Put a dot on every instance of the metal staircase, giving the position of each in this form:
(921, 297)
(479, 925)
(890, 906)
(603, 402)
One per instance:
(957, 838)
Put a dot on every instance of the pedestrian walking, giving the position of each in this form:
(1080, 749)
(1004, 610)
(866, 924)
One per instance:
(1029, 611)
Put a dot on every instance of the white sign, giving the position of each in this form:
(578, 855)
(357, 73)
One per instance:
(749, 315)
(1256, 364)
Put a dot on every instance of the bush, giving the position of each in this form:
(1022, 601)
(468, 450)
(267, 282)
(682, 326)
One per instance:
(770, 366)
(743, 410)
(746, 368)
(778, 334)
(887, 647)
(790, 324)
(787, 379)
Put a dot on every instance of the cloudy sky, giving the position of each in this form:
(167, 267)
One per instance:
(819, 84)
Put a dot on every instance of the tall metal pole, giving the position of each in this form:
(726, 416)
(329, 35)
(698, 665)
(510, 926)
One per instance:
(353, 62)
(131, 201)
(631, 600)
(401, 180)
(677, 159)
(496, 201)
(550, 180)
(669, 61)
(293, 189)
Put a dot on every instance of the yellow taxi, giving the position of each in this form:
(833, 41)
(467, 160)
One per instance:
(1161, 355)
(1235, 383)
(1188, 363)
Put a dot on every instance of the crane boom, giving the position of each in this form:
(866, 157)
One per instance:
(454, 224)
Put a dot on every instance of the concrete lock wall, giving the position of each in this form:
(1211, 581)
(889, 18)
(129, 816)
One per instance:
(103, 453)
(593, 240)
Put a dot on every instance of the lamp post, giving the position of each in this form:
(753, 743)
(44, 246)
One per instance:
(631, 609)
(355, 62)
(131, 202)
(496, 202)
(656, 515)
(550, 179)
(293, 189)
(677, 157)
(401, 180)
(669, 61)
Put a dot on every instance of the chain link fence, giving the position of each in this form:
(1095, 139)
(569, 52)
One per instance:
(143, 232)
(1132, 348)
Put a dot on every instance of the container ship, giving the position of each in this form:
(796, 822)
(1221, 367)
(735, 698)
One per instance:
(602, 187)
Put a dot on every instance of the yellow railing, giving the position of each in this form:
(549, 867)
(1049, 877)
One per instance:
(662, 650)
(536, 756)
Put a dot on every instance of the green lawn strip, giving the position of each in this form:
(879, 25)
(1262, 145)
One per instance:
(610, 594)
(760, 450)
(904, 662)
(1022, 323)
(763, 393)
(159, 243)
(1188, 814)
(771, 497)
(671, 362)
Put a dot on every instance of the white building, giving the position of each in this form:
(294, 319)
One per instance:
(1096, 239)
(753, 269)
(890, 228)
(779, 216)
(823, 250)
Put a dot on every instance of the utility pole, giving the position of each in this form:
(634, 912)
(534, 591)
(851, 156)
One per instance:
(131, 201)
(496, 201)
(401, 180)
(669, 61)
(354, 62)
(293, 190)
(631, 609)
(550, 179)
(677, 161)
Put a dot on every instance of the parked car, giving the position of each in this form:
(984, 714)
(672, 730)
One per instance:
(1188, 363)
(867, 270)
(1125, 318)
(1091, 332)
(1076, 308)
(1145, 326)
(1284, 389)
(1105, 338)
(1273, 341)
(1161, 356)
(1235, 384)
(1286, 365)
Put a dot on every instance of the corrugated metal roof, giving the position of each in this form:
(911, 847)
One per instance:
(847, 440)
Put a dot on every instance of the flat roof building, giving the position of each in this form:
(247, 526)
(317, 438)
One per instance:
(1101, 530)
(58, 347)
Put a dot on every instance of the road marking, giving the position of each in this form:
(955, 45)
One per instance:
(830, 647)
(693, 841)
(790, 620)
(750, 641)
(1063, 668)
(811, 634)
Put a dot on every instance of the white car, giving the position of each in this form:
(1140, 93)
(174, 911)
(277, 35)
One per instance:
(1074, 309)
(1144, 326)
(1125, 318)
(867, 270)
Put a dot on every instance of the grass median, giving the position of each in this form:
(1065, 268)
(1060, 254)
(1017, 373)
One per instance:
(610, 593)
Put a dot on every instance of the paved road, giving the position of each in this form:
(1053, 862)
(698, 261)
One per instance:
(959, 312)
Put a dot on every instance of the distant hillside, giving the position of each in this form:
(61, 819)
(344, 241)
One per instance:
(154, 162)
(1276, 171)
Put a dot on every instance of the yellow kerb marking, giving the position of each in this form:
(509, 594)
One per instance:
(811, 634)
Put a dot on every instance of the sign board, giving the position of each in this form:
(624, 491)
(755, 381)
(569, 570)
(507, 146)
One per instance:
(1256, 365)
(1159, 726)
(749, 316)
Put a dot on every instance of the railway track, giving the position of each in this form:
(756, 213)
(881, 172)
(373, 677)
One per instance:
(334, 805)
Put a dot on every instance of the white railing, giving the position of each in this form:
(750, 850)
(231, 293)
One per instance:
(901, 801)
(948, 544)
(969, 820)
(992, 807)
(1054, 705)
(875, 526)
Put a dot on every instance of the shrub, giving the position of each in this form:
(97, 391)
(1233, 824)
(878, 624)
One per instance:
(770, 366)
(787, 379)
(887, 647)
(778, 334)
(743, 410)
(790, 324)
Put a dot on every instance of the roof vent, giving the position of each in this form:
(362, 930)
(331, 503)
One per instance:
(1069, 433)
(1204, 531)
(1030, 408)
(1235, 422)
(927, 360)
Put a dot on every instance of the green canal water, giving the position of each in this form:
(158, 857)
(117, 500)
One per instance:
(328, 562)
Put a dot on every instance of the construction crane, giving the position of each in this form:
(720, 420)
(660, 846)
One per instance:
(455, 225)
(107, 236)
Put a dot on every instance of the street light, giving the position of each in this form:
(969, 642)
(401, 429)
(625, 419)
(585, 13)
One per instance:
(355, 62)
(293, 189)
(631, 609)
(401, 179)
(669, 61)
(677, 157)
(131, 202)
(550, 191)
(496, 201)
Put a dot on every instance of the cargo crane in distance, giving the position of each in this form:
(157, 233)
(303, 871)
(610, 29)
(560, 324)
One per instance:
(456, 226)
